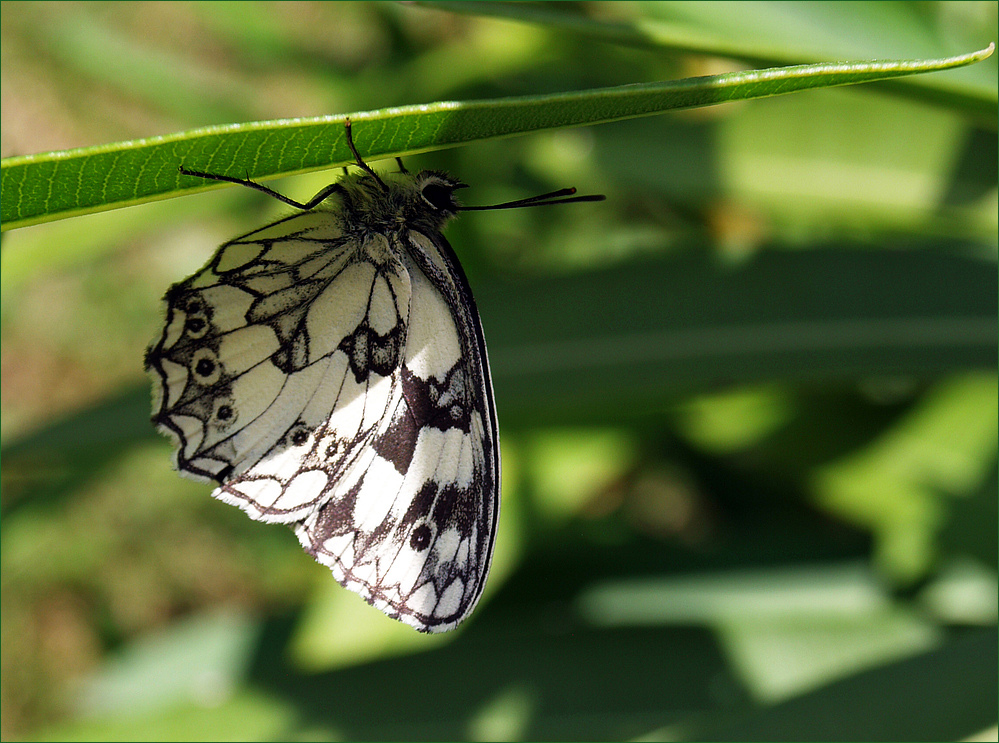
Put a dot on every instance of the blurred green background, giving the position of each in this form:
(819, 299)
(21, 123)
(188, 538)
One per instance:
(749, 449)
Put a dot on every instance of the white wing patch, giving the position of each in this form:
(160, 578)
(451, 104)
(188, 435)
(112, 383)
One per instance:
(332, 375)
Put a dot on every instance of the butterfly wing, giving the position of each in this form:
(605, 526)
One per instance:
(338, 382)
(414, 530)
(248, 367)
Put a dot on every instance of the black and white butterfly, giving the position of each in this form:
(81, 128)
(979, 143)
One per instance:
(329, 372)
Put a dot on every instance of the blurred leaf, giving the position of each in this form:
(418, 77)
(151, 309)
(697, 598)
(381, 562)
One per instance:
(56, 460)
(783, 659)
(789, 594)
(799, 165)
(972, 525)
(947, 693)
(249, 716)
(765, 33)
(90, 47)
(965, 591)
(584, 685)
(202, 659)
(581, 684)
(610, 344)
(945, 445)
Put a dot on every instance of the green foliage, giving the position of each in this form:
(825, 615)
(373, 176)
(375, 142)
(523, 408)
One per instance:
(748, 403)
(39, 188)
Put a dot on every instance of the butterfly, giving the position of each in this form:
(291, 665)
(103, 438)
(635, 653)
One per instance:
(329, 372)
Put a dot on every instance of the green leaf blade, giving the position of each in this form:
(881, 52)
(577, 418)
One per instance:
(41, 188)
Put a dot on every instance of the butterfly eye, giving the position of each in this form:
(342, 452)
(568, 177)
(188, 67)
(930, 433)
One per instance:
(438, 196)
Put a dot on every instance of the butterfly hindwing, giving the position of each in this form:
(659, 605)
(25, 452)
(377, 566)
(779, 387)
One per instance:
(333, 376)
(414, 533)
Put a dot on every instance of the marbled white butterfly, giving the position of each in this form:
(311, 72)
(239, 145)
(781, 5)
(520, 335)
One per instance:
(329, 372)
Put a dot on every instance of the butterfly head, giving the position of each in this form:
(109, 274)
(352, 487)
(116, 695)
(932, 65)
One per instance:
(432, 202)
(437, 191)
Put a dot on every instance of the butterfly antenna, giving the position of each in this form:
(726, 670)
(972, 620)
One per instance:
(357, 157)
(253, 184)
(562, 196)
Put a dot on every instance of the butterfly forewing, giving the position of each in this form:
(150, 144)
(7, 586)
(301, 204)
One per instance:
(330, 373)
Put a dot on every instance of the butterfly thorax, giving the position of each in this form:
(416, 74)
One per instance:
(398, 202)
